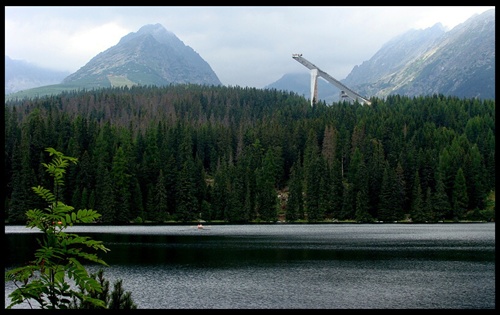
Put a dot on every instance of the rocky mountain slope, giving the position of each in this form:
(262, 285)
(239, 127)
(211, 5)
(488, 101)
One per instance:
(151, 56)
(460, 62)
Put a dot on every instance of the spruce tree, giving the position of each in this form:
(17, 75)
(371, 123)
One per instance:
(460, 200)
(120, 175)
(417, 204)
(295, 202)
(362, 207)
(337, 188)
(385, 205)
(160, 199)
(440, 202)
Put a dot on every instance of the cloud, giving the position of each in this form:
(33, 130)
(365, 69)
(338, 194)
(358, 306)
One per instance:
(245, 46)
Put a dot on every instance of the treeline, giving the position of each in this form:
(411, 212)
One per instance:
(189, 152)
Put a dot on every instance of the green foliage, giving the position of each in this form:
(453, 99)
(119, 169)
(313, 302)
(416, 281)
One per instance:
(49, 279)
(116, 299)
(488, 214)
(246, 141)
(460, 199)
(295, 203)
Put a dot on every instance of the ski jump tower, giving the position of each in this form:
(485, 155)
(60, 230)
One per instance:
(345, 92)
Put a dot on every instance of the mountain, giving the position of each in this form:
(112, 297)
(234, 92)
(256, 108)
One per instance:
(300, 84)
(395, 55)
(21, 75)
(460, 62)
(152, 56)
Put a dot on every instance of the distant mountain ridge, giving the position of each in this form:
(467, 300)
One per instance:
(150, 56)
(460, 62)
(395, 54)
(21, 75)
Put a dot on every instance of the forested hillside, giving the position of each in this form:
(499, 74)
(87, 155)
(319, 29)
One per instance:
(189, 152)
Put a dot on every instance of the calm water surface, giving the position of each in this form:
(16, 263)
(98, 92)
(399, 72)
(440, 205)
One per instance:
(313, 266)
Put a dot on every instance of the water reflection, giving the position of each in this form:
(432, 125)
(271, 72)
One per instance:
(296, 266)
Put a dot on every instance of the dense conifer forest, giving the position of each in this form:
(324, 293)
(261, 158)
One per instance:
(189, 152)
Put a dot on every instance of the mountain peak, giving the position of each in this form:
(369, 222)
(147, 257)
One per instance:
(157, 31)
(150, 56)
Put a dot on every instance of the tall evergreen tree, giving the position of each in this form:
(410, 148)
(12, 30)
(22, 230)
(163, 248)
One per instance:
(106, 197)
(362, 207)
(160, 199)
(441, 205)
(375, 169)
(337, 188)
(400, 192)
(326, 191)
(474, 174)
(295, 202)
(388, 197)
(186, 194)
(417, 201)
(220, 194)
(267, 201)
(348, 202)
(23, 178)
(428, 207)
(150, 209)
(312, 178)
(137, 210)
(120, 176)
(460, 200)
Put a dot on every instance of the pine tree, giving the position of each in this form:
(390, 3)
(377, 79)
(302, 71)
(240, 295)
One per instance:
(116, 299)
(386, 203)
(348, 202)
(160, 199)
(120, 175)
(337, 189)
(22, 178)
(460, 200)
(186, 195)
(313, 197)
(428, 208)
(399, 192)
(220, 194)
(474, 173)
(417, 203)
(106, 200)
(295, 202)
(150, 210)
(312, 178)
(362, 207)
(375, 169)
(440, 203)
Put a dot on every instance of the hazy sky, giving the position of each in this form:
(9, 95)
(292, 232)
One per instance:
(245, 46)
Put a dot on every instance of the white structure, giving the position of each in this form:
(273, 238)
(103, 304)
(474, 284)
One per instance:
(345, 92)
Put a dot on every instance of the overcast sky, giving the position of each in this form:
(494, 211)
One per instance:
(245, 46)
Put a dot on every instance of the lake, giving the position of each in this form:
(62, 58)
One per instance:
(292, 266)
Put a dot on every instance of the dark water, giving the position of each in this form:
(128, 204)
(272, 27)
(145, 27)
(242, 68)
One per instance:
(341, 266)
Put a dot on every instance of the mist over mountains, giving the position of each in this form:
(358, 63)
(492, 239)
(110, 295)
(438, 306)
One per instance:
(460, 62)
(21, 75)
(150, 56)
